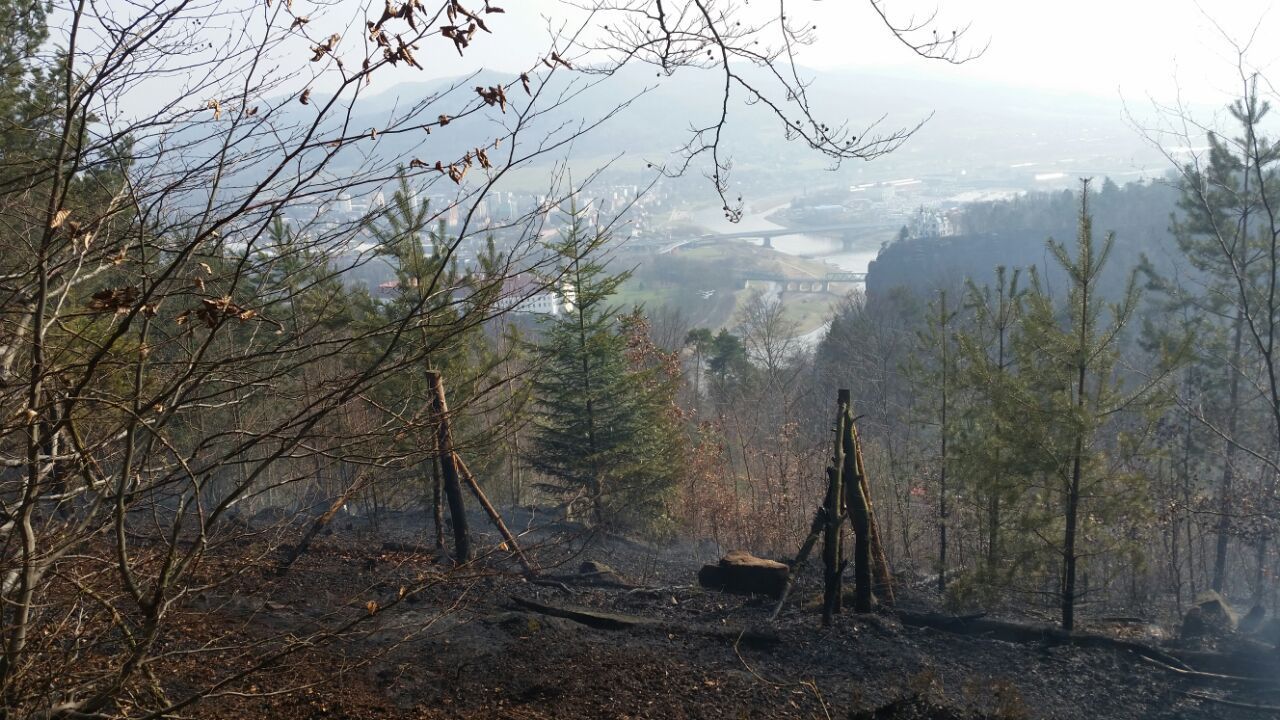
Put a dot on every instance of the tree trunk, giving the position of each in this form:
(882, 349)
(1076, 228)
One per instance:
(1221, 558)
(883, 587)
(449, 470)
(1073, 498)
(437, 507)
(993, 500)
(860, 515)
(507, 536)
(942, 471)
(835, 519)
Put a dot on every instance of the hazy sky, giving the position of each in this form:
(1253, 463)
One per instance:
(1102, 47)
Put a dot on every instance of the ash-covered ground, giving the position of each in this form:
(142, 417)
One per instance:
(430, 641)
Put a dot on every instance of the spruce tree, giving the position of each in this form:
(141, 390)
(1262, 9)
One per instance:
(599, 437)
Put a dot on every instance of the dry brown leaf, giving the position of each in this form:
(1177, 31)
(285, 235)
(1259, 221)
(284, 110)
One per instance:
(117, 300)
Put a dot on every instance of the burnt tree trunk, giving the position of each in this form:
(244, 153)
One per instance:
(449, 470)
(507, 536)
(301, 548)
(815, 530)
(1221, 557)
(879, 559)
(860, 516)
(942, 470)
(835, 518)
(437, 505)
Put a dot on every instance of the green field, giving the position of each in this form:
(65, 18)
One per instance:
(809, 311)
(722, 309)
(749, 256)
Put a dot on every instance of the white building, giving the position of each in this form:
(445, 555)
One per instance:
(524, 294)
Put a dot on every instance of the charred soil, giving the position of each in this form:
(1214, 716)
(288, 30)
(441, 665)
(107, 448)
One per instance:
(429, 641)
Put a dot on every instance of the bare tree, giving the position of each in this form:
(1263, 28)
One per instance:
(178, 343)
(754, 50)
(1228, 231)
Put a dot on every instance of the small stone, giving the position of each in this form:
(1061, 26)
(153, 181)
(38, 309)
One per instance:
(593, 567)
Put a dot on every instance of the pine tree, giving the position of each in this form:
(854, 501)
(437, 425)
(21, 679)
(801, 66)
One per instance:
(25, 109)
(1070, 389)
(438, 305)
(986, 370)
(1224, 233)
(935, 367)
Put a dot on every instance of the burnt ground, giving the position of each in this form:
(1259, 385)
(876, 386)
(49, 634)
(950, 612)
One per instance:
(431, 642)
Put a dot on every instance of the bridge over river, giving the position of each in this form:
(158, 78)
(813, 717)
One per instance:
(815, 284)
(848, 233)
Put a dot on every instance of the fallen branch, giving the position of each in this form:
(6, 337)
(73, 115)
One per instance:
(305, 543)
(1245, 658)
(604, 620)
(592, 579)
(411, 548)
(597, 619)
(1231, 703)
(508, 537)
(1023, 632)
(815, 530)
(1190, 674)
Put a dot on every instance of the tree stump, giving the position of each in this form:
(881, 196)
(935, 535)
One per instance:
(745, 574)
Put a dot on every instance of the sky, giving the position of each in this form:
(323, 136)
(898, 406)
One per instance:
(1130, 48)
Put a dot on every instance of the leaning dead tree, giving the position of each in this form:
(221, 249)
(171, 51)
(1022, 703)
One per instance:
(456, 473)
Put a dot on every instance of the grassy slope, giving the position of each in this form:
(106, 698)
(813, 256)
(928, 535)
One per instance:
(807, 310)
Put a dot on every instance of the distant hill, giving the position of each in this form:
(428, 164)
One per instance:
(973, 126)
(1013, 233)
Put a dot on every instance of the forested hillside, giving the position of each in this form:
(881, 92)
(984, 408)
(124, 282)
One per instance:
(506, 393)
(1012, 233)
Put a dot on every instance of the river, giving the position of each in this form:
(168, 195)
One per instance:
(806, 246)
